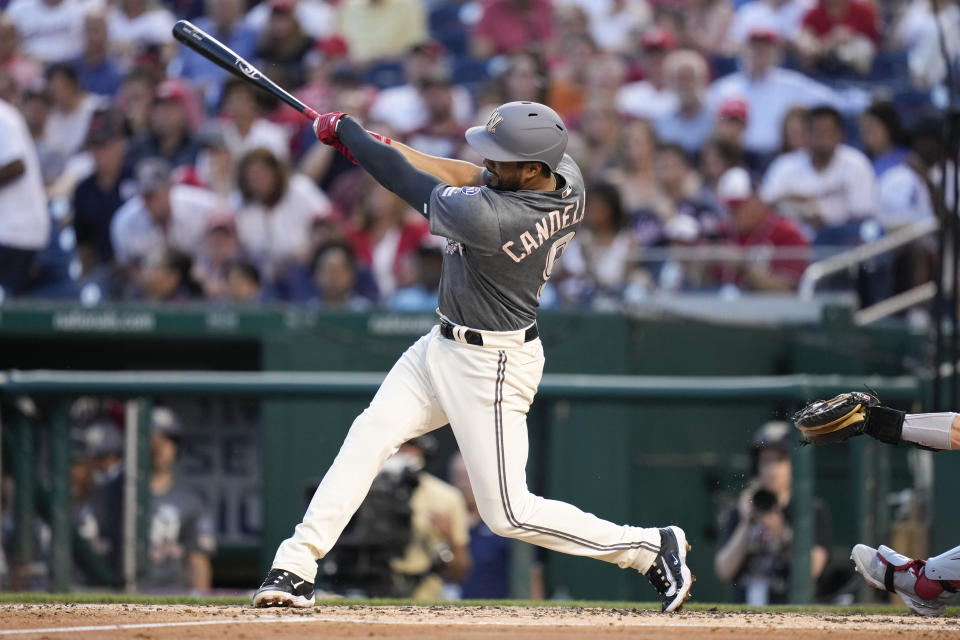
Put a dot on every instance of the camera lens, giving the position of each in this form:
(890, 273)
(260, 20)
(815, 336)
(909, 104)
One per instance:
(764, 500)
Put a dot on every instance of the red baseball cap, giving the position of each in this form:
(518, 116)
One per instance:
(172, 90)
(282, 6)
(763, 33)
(657, 38)
(734, 109)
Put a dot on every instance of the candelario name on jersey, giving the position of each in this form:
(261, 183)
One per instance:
(532, 239)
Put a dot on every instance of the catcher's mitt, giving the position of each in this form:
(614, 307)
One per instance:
(848, 415)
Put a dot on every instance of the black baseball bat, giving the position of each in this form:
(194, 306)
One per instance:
(220, 54)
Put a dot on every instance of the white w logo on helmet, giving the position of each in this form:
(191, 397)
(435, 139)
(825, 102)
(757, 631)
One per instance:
(495, 119)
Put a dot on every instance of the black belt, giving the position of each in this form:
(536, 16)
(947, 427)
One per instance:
(474, 337)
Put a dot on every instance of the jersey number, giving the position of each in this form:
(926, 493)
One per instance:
(552, 257)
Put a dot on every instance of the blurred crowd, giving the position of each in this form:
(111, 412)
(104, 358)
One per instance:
(726, 143)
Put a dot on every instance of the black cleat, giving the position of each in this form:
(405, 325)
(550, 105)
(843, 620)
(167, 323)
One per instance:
(284, 589)
(669, 573)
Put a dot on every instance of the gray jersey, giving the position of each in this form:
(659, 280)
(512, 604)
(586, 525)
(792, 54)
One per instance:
(502, 247)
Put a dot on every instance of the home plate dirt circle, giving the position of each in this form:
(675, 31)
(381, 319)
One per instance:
(161, 622)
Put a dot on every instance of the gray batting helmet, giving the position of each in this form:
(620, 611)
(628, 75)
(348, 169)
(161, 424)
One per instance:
(521, 132)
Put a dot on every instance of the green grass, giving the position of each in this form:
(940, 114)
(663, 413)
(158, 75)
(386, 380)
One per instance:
(123, 598)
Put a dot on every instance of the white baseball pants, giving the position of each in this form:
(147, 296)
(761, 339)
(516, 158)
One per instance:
(484, 393)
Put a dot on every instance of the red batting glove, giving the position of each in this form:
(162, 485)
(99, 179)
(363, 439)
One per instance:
(325, 127)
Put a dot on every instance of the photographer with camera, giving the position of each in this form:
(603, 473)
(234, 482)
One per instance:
(756, 536)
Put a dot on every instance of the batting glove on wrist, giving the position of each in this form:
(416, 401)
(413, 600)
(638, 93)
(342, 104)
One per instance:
(325, 127)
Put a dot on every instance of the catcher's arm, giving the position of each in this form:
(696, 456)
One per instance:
(848, 415)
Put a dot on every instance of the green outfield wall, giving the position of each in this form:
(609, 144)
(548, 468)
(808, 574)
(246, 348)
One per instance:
(650, 463)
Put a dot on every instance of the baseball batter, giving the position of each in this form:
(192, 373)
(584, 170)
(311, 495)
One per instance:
(926, 586)
(507, 224)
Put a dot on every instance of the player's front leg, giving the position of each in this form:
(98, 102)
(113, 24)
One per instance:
(486, 394)
(404, 407)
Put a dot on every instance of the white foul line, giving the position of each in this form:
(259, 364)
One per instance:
(465, 623)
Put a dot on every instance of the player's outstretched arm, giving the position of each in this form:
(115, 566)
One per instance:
(384, 162)
(456, 173)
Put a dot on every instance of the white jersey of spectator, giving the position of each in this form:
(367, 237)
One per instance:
(607, 266)
(281, 234)
(614, 25)
(769, 99)
(65, 132)
(49, 32)
(404, 110)
(24, 221)
(925, 56)
(903, 198)
(150, 27)
(643, 100)
(784, 18)
(134, 233)
(845, 189)
(263, 133)
(317, 18)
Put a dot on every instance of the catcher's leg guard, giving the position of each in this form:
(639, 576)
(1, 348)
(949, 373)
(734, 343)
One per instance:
(945, 566)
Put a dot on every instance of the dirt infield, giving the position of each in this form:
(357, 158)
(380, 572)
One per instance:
(162, 622)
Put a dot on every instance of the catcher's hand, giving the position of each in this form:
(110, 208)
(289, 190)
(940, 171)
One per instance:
(848, 415)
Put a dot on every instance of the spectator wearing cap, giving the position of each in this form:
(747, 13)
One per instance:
(243, 126)
(24, 222)
(24, 70)
(732, 117)
(51, 30)
(403, 107)
(756, 531)
(138, 24)
(182, 536)
(277, 209)
(223, 19)
(883, 136)
(173, 118)
(318, 18)
(100, 195)
(439, 547)
(284, 45)
(508, 26)
(98, 72)
(220, 249)
(70, 112)
(689, 124)
(648, 97)
(768, 90)
(162, 214)
(783, 17)
(828, 185)
(756, 227)
(839, 36)
(381, 30)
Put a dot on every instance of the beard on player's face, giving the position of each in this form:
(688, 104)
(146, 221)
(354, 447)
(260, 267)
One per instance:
(503, 176)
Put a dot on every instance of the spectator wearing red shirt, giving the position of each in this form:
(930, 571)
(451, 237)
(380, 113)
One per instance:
(839, 35)
(754, 225)
(508, 26)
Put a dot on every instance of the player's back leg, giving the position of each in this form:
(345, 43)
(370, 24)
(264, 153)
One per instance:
(486, 393)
